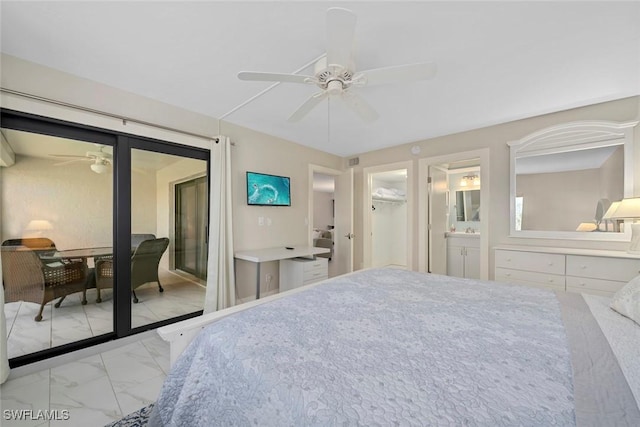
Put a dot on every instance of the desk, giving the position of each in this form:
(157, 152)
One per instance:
(276, 254)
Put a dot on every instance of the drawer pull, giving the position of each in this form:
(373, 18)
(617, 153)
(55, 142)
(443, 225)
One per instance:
(550, 264)
(550, 280)
(508, 274)
(583, 267)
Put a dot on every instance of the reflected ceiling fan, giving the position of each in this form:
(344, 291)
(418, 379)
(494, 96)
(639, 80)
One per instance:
(336, 75)
(100, 159)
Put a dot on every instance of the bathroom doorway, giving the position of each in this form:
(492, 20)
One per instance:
(452, 222)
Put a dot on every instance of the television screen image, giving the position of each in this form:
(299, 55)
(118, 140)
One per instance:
(268, 190)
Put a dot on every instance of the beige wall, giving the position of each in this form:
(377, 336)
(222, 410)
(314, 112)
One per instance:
(612, 176)
(258, 152)
(253, 151)
(559, 201)
(495, 138)
(76, 201)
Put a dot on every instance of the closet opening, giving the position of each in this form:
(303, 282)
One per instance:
(387, 222)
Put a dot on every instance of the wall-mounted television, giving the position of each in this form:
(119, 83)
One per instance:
(268, 190)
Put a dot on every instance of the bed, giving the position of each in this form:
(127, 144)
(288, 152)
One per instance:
(395, 347)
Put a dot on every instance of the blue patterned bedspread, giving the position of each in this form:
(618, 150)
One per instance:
(380, 347)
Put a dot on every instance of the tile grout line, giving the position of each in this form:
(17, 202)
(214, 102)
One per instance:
(115, 394)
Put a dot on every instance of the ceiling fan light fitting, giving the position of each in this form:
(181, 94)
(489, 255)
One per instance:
(99, 167)
(334, 87)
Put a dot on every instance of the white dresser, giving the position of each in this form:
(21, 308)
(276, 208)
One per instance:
(598, 272)
(296, 272)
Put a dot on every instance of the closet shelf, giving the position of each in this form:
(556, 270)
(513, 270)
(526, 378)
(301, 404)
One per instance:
(388, 200)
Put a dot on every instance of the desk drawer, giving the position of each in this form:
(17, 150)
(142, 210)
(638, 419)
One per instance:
(313, 265)
(597, 286)
(552, 281)
(530, 261)
(613, 269)
(315, 278)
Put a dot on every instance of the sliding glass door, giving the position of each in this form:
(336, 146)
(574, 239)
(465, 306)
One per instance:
(161, 289)
(88, 231)
(192, 203)
(56, 184)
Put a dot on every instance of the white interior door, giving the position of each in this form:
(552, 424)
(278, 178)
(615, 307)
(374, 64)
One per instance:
(343, 223)
(437, 224)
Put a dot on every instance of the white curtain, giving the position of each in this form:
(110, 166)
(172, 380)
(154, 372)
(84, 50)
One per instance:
(4, 361)
(221, 292)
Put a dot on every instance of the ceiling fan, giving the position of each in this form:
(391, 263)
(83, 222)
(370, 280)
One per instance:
(101, 159)
(336, 75)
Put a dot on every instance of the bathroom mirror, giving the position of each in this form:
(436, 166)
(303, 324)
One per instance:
(468, 205)
(561, 175)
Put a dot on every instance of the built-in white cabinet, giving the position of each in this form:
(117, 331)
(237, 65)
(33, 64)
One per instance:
(596, 272)
(463, 255)
(296, 272)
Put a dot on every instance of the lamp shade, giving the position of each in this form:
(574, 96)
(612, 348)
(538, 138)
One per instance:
(39, 225)
(628, 208)
(609, 213)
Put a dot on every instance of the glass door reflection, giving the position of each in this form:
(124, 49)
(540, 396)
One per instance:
(60, 194)
(161, 287)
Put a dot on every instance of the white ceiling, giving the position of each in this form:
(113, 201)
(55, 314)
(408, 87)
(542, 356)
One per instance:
(497, 61)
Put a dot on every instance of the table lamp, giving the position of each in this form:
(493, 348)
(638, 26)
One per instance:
(608, 216)
(629, 208)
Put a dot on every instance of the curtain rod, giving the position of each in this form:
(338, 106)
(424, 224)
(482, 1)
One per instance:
(103, 113)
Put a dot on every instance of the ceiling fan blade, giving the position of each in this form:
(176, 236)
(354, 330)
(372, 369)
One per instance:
(341, 25)
(397, 74)
(307, 106)
(69, 156)
(274, 77)
(69, 162)
(360, 106)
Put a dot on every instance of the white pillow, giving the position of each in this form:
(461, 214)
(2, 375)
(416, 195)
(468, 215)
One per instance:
(627, 300)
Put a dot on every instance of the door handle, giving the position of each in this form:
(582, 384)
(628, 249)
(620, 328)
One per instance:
(349, 236)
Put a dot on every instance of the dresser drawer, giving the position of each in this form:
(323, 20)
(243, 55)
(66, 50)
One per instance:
(589, 285)
(530, 261)
(531, 278)
(613, 269)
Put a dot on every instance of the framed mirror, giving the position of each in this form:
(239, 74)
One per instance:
(564, 178)
(468, 205)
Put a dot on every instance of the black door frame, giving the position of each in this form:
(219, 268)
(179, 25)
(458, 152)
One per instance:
(122, 144)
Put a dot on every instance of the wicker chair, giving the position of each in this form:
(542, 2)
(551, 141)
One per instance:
(27, 278)
(38, 244)
(144, 267)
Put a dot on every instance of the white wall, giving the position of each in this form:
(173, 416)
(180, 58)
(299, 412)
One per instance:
(389, 228)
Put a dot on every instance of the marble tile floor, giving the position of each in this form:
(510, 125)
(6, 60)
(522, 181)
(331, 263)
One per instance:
(73, 321)
(92, 390)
